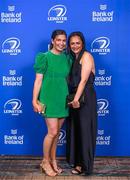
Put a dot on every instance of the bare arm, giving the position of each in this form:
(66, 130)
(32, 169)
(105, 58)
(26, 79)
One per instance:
(87, 65)
(36, 90)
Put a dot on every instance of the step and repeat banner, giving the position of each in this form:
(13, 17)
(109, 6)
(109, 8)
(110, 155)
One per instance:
(25, 29)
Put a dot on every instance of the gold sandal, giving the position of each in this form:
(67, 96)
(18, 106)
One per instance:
(47, 169)
(55, 167)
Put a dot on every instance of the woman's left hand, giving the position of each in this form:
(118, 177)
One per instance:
(75, 104)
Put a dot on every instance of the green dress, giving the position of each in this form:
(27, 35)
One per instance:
(55, 69)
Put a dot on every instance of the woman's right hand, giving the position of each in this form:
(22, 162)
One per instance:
(37, 107)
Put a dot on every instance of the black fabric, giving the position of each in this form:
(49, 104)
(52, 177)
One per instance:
(70, 98)
(82, 125)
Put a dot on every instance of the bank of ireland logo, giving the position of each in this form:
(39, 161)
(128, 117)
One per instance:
(11, 46)
(101, 45)
(62, 137)
(102, 15)
(13, 138)
(13, 107)
(14, 131)
(102, 105)
(57, 13)
(101, 72)
(103, 7)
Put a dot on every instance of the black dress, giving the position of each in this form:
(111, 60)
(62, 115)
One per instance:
(82, 125)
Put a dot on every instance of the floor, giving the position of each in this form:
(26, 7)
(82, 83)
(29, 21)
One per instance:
(27, 168)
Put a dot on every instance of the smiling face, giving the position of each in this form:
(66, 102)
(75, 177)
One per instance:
(76, 44)
(59, 43)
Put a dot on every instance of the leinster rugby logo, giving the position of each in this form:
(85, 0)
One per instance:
(13, 106)
(100, 45)
(102, 107)
(62, 137)
(11, 46)
(57, 14)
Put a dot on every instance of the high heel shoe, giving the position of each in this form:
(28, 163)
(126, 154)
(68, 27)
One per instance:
(45, 167)
(56, 168)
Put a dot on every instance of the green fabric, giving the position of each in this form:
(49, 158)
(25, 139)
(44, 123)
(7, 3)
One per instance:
(54, 89)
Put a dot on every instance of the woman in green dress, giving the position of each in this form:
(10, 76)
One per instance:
(50, 89)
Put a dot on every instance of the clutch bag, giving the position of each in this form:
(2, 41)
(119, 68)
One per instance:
(43, 108)
(71, 96)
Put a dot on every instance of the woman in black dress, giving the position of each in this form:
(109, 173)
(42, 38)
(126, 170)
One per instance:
(82, 122)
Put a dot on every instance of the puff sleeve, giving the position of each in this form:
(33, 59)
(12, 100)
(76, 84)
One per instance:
(40, 65)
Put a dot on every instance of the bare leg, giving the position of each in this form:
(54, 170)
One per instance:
(54, 147)
(52, 125)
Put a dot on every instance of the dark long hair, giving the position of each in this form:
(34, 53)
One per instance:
(56, 33)
(81, 36)
(75, 65)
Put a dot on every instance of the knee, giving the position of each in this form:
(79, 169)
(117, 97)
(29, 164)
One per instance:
(53, 133)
